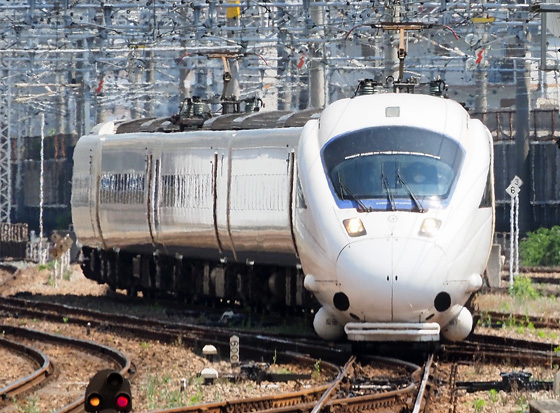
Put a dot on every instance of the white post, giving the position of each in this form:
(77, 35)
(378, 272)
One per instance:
(42, 258)
(511, 243)
(513, 190)
(516, 235)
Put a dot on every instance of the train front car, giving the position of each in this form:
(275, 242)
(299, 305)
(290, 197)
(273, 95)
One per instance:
(394, 219)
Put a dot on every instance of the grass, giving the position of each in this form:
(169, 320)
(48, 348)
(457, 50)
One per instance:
(545, 307)
(525, 298)
(29, 405)
(160, 393)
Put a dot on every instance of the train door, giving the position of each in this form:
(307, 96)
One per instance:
(153, 173)
(94, 200)
(86, 181)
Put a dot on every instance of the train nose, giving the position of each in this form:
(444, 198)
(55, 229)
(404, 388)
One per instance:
(404, 275)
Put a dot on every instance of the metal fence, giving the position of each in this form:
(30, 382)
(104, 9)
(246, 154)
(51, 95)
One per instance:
(543, 124)
(13, 240)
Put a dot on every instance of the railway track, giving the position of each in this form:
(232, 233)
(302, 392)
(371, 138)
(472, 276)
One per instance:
(345, 398)
(496, 319)
(165, 330)
(39, 358)
(115, 357)
(502, 349)
(541, 270)
(345, 393)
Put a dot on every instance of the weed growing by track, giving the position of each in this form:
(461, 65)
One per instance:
(525, 298)
(29, 405)
(159, 395)
(523, 288)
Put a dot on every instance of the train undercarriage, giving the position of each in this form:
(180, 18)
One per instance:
(198, 281)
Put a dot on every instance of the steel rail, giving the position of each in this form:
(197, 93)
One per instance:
(304, 401)
(384, 402)
(315, 400)
(423, 384)
(334, 385)
(546, 270)
(288, 402)
(501, 349)
(368, 403)
(91, 347)
(498, 320)
(156, 329)
(32, 380)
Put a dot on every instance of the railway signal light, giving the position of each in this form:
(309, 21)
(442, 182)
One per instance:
(61, 245)
(108, 391)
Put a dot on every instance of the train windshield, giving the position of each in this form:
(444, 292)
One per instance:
(392, 167)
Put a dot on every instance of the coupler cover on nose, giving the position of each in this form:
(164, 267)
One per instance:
(392, 331)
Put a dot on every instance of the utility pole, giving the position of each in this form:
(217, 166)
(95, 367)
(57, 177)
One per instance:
(481, 72)
(5, 146)
(317, 67)
(522, 144)
(283, 66)
(391, 60)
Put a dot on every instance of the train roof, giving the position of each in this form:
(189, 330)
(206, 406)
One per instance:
(232, 121)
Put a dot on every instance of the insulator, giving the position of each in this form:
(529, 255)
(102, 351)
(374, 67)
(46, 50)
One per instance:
(190, 109)
(198, 108)
(250, 105)
(187, 108)
(437, 87)
(366, 87)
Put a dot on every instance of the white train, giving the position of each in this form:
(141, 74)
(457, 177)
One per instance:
(381, 206)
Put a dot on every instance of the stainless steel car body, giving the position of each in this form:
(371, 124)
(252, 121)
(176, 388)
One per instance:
(213, 194)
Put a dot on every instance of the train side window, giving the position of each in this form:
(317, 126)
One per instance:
(300, 198)
(486, 200)
(104, 189)
(120, 189)
(169, 190)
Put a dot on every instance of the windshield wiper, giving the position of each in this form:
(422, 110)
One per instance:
(344, 189)
(389, 193)
(415, 199)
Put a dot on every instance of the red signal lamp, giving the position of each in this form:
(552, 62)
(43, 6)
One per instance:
(122, 401)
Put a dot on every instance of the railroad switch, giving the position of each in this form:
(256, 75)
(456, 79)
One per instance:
(510, 381)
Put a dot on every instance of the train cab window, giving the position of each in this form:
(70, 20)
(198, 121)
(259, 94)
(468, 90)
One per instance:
(392, 164)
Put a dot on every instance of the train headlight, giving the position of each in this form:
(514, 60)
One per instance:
(430, 227)
(354, 227)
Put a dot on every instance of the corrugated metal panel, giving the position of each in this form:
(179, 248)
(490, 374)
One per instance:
(545, 173)
(545, 167)
(504, 169)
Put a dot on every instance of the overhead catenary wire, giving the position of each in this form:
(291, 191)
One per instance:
(67, 48)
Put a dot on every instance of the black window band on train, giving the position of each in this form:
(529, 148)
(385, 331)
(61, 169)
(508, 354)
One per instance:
(486, 200)
(372, 165)
(121, 188)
